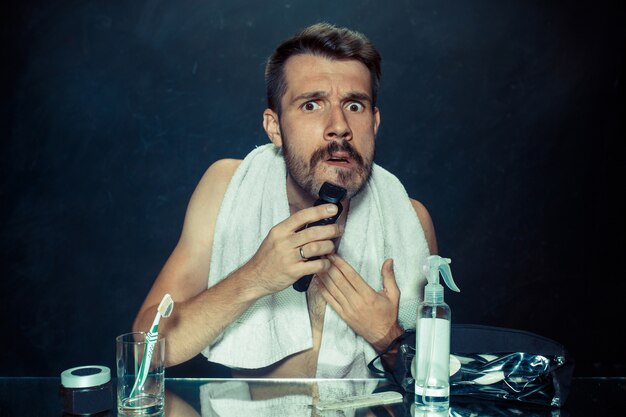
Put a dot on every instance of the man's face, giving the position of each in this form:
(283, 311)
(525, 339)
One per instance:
(327, 125)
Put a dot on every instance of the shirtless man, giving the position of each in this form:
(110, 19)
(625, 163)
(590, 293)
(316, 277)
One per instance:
(322, 113)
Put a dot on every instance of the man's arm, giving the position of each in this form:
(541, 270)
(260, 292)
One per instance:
(427, 226)
(186, 272)
(201, 314)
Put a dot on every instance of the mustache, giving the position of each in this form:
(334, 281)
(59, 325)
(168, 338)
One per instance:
(334, 146)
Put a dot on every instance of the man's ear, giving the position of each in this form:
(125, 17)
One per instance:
(272, 127)
(376, 120)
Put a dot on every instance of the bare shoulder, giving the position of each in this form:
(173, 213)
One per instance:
(216, 179)
(207, 198)
(219, 173)
(427, 225)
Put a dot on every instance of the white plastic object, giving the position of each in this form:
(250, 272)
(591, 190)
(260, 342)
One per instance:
(378, 398)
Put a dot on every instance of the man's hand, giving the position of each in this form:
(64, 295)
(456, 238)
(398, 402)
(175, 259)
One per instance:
(278, 263)
(371, 314)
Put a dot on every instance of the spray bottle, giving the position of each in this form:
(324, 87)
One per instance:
(432, 350)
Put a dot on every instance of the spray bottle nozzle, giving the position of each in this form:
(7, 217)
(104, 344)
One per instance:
(434, 266)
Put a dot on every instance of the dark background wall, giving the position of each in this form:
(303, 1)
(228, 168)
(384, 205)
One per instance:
(503, 117)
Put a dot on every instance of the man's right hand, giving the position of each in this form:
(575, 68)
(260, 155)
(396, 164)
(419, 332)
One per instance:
(277, 264)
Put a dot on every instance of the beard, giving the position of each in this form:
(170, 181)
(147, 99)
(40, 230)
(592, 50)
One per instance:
(310, 177)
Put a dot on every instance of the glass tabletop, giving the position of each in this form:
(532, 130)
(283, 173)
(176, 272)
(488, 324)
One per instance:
(28, 396)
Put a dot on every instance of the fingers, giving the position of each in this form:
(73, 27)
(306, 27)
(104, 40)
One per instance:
(342, 278)
(338, 290)
(348, 279)
(293, 229)
(316, 266)
(298, 220)
(314, 241)
(317, 233)
(390, 286)
(371, 314)
(284, 255)
(326, 289)
(314, 249)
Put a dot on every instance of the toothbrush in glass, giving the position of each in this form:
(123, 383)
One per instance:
(164, 310)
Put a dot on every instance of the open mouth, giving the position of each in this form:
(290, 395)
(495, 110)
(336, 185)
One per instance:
(339, 159)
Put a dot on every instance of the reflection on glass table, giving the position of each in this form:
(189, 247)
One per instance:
(28, 396)
(225, 398)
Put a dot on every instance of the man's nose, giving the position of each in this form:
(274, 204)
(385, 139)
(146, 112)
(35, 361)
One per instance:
(338, 127)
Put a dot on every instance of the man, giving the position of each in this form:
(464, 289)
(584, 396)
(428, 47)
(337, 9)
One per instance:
(244, 241)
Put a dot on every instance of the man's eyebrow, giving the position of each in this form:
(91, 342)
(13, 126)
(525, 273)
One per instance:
(358, 96)
(309, 95)
(352, 95)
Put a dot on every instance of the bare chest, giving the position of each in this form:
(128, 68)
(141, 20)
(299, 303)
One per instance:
(316, 305)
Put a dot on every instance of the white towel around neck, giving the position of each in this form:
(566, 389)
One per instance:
(381, 224)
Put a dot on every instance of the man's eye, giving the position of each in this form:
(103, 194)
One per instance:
(310, 106)
(355, 107)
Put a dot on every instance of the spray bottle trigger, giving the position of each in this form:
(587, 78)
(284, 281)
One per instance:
(446, 273)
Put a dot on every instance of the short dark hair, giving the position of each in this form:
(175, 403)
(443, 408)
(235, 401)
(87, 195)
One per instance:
(325, 40)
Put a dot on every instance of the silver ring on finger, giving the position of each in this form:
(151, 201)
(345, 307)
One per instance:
(304, 258)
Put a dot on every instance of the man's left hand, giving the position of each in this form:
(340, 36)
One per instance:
(371, 314)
